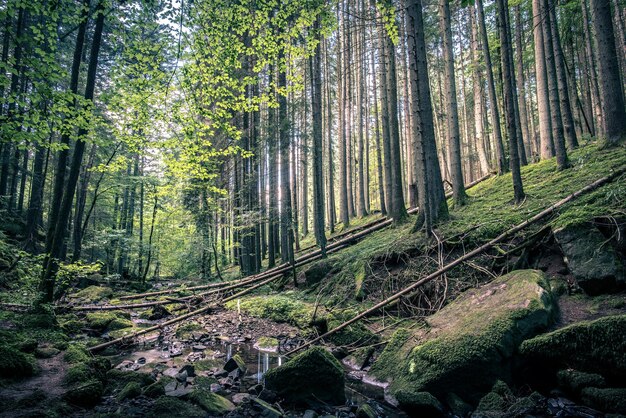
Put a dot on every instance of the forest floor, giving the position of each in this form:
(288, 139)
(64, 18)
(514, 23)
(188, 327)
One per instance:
(261, 327)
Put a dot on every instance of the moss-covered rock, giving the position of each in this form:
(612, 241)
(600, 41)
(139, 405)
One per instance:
(606, 399)
(78, 373)
(76, 353)
(531, 405)
(110, 320)
(312, 375)
(85, 394)
(419, 404)
(366, 411)
(596, 265)
(457, 405)
(118, 379)
(317, 271)
(591, 346)
(574, 381)
(14, 364)
(93, 294)
(46, 352)
(130, 391)
(167, 407)
(235, 362)
(279, 308)
(211, 402)
(154, 390)
(185, 330)
(492, 402)
(469, 344)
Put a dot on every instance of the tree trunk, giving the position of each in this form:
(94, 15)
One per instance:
(611, 94)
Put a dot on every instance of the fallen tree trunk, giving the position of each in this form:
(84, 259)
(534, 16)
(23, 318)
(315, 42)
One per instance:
(337, 240)
(467, 256)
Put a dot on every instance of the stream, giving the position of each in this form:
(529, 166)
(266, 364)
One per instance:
(166, 355)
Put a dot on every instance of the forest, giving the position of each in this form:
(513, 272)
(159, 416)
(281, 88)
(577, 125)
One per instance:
(303, 208)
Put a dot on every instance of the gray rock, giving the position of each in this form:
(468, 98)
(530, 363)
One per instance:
(596, 265)
(177, 390)
(239, 398)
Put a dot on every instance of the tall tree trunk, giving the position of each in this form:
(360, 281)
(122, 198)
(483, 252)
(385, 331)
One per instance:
(521, 83)
(611, 94)
(379, 156)
(553, 89)
(491, 88)
(452, 113)
(478, 86)
(341, 88)
(318, 173)
(51, 262)
(506, 56)
(541, 75)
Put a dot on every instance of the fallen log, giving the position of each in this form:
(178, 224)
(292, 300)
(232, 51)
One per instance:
(204, 309)
(467, 256)
(339, 239)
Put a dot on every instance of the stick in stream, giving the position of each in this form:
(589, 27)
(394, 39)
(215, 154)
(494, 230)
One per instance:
(467, 256)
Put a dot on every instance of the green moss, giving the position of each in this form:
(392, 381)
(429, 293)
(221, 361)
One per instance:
(207, 364)
(76, 353)
(204, 382)
(211, 402)
(606, 400)
(419, 403)
(457, 405)
(85, 394)
(14, 363)
(167, 407)
(591, 346)
(312, 374)
(492, 402)
(267, 343)
(93, 294)
(470, 343)
(575, 381)
(185, 330)
(154, 390)
(118, 379)
(120, 323)
(279, 308)
(80, 372)
(130, 391)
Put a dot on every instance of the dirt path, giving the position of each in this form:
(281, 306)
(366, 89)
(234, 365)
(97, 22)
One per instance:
(27, 397)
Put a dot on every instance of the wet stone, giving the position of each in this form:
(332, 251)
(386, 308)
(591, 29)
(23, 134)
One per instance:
(239, 398)
(199, 347)
(177, 390)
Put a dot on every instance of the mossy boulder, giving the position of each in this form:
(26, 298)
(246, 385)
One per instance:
(605, 399)
(316, 272)
(469, 344)
(130, 391)
(86, 394)
(574, 381)
(211, 402)
(154, 390)
(492, 402)
(118, 379)
(93, 294)
(419, 404)
(14, 364)
(312, 375)
(596, 265)
(595, 346)
(457, 405)
(76, 353)
(112, 320)
(167, 407)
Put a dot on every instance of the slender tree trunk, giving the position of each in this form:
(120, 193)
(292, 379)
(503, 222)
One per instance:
(379, 157)
(478, 86)
(452, 113)
(491, 88)
(509, 98)
(318, 173)
(51, 265)
(341, 88)
(611, 94)
(521, 82)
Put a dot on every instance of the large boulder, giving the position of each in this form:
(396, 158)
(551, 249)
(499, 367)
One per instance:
(590, 346)
(314, 375)
(469, 344)
(596, 265)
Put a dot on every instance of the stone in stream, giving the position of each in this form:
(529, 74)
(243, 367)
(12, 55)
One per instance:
(596, 265)
(235, 362)
(314, 375)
